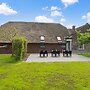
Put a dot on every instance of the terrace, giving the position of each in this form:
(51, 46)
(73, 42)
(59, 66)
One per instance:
(74, 58)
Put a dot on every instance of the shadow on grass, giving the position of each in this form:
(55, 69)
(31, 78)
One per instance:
(12, 60)
(8, 59)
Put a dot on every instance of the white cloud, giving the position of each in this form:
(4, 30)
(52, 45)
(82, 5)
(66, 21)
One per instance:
(45, 8)
(84, 17)
(63, 20)
(43, 19)
(69, 2)
(61, 23)
(55, 8)
(56, 13)
(87, 17)
(6, 10)
(69, 26)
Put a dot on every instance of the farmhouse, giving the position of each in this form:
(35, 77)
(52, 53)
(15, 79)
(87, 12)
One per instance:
(47, 36)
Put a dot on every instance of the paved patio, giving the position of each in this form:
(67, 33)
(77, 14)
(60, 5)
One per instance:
(37, 58)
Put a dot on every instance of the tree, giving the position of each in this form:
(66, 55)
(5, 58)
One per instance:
(84, 38)
(19, 47)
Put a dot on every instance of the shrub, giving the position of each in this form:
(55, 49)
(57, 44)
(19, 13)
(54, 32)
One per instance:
(19, 47)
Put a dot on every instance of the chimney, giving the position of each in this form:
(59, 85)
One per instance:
(73, 27)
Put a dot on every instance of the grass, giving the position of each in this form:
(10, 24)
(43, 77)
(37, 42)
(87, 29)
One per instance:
(86, 54)
(43, 76)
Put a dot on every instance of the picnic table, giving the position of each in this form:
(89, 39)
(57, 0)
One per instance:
(55, 53)
(67, 53)
(43, 53)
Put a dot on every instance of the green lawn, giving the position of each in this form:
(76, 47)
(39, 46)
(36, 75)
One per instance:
(43, 76)
(86, 54)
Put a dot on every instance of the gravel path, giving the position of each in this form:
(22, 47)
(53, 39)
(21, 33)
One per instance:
(75, 57)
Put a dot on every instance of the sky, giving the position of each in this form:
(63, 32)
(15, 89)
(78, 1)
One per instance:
(65, 12)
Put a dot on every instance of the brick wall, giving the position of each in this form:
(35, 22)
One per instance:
(35, 48)
(7, 49)
(32, 47)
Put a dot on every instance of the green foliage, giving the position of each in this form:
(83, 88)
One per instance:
(44, 76)
(83, 38)
(19, 47)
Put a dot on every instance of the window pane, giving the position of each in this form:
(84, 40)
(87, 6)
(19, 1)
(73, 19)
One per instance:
(42, 38)
(59, 38)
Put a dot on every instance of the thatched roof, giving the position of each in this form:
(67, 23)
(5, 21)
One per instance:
(32, 31)
(84, 28)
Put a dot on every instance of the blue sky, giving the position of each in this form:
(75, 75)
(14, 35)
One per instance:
(66, 12)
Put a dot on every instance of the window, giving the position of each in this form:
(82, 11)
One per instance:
(42, 41)
(42, 38)
(59, 39)
(42, 45)
(81, 47)
(4, 46)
